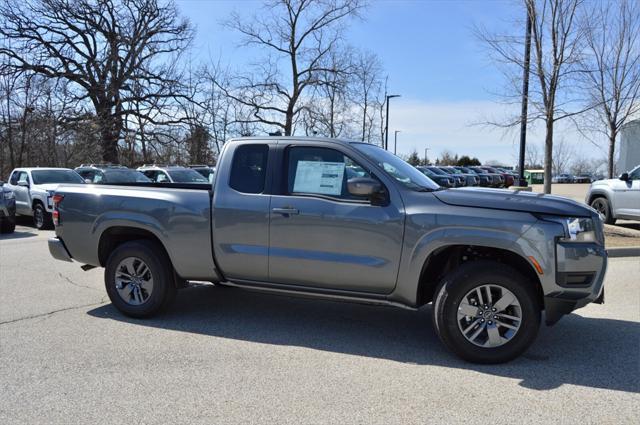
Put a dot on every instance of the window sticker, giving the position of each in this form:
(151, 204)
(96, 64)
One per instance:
(319, 177)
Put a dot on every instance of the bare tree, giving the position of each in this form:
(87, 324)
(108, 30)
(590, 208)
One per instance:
(557, 43)
(562, 154)
(104, 47)
(298, 36)
(612, 68)
(367, 81)
(329, 109)
(533, 159)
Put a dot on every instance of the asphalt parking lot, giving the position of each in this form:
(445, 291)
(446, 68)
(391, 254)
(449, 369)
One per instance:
(230, 356)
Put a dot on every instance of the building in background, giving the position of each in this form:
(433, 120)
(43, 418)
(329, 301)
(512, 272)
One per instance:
(629, 155)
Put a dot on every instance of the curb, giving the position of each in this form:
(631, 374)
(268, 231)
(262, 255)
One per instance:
(624, 251)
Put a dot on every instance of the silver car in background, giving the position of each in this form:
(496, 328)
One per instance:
(616, 198)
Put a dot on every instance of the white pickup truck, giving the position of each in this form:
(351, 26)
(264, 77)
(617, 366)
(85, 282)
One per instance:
(34, 188)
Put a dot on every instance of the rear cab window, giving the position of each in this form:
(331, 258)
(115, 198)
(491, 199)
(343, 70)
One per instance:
(249, 168)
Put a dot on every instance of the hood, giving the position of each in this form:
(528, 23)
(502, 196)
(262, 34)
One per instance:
(46, 186)
(605, 182)
(513, 200)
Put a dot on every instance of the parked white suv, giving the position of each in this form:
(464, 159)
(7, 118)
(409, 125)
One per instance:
(34, 189)
(617, 198)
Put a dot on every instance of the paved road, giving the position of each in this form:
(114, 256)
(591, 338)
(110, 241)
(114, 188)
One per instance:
(230, 356)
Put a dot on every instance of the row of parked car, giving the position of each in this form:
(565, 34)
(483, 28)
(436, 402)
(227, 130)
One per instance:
(30, 191)
(580, 178)
(457, 176)
(110, 174)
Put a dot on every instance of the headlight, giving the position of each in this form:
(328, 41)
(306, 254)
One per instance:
(9, 195)
(579, 229)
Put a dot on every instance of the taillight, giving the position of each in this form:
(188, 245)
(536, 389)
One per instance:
(55, 215)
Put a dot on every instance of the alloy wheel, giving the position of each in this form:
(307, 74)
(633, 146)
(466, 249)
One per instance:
(133, 281)
(489, 316)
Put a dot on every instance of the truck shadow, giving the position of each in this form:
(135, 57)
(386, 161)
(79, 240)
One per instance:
(17, 235)
(590, 352)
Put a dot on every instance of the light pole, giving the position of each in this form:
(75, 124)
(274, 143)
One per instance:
(395, 141)
(525, 100)
(426, 162)
(386, 127)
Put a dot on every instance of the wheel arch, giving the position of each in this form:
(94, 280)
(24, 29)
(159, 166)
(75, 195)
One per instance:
(36, 201)
(114, 236)
(598, 194)
(446, 258)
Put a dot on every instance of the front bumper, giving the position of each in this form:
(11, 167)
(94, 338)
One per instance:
(58, 250)
(7, 209)
(580, 271)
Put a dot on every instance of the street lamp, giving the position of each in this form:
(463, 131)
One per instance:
(395, 141)
(426, 162)
(525, 100)
(386, 127)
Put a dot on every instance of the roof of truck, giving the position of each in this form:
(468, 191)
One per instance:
(304, 139)
(40, 168)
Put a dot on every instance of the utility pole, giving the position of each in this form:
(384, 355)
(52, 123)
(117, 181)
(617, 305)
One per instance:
(525, 101)
(386, 127)
(426, 161)
(395, 141)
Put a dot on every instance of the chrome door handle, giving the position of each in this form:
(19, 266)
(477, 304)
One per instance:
(286, 211)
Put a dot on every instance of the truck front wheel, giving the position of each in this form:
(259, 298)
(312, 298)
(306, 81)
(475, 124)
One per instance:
(486, 312)
(139, 279)
(41, 218)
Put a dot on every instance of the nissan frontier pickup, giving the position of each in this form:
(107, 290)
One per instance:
(343, 220)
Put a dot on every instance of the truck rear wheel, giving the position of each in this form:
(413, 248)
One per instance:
(486, 312)
(139, 279)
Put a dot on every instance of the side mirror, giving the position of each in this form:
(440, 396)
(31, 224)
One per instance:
(363, 186)
(624, 177)
(88, 181)
(23, 183)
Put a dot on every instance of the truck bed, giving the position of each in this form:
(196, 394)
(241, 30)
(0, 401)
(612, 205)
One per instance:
(178, 215)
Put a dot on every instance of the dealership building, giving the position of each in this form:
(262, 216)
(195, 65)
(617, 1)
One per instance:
(629, 152)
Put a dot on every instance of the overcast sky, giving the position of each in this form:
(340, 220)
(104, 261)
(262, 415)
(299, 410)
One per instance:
(433, 60)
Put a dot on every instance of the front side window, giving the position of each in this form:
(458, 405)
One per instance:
(249, 168)
(635, 174)
(161, 177)
(321, 171)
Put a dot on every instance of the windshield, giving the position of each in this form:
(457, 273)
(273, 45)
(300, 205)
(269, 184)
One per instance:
(402, 172)
(187, 176)
(55, 176)
(125, 176)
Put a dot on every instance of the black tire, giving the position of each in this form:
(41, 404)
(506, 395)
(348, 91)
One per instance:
(41, 218)
(602, 205)
(164, 289)
(468, 276)
(7, 226)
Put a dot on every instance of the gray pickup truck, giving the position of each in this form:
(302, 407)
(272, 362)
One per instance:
(341, 220)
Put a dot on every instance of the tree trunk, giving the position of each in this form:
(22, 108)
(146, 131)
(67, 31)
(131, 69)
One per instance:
(110, 127)
(612, 148)
(288, 125)
(548, 156)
